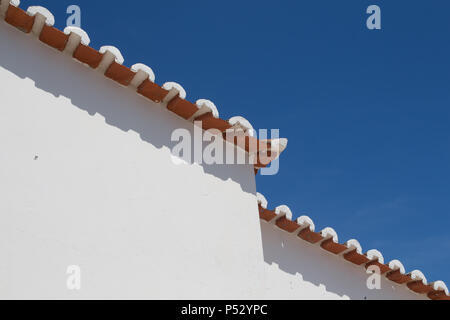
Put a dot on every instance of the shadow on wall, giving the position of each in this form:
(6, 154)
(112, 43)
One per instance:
(302, 261)
(60, 75)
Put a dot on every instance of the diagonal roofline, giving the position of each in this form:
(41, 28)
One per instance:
(351, 251)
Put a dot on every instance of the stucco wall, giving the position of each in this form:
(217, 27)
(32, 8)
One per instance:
(86, 179)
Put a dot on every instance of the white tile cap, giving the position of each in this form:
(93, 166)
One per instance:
(49, 18)
(284, 209)
(83, 35)
(114, 51)
(261, 200)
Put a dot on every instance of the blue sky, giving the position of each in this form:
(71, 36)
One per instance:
(366, 112)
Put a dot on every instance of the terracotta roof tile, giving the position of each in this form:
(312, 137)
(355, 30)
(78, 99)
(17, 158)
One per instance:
(88, 55)
(210, 122)
(53, 37)
(181, 107)
(120, 73)
(332, 246)
(19, 19)
(109, 60)
(152, 91)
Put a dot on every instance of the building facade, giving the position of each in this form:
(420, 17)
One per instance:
(90, 188)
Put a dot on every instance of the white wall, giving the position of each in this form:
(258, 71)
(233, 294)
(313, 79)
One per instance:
(86, 178)
(104, 194)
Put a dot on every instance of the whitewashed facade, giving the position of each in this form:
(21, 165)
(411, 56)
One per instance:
(87, 179)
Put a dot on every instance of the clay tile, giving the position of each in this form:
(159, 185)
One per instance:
(355, 257)
(398, 277)
(210, 122)
(246, 142)
(261, 200)
(332, 246)
(286, 224)
(175, 89)
(152, 91)
(120, 73)
(54, 37)
(88, 55)
(181, 107)
(438, 295)
(84, 37)
(383, 268)
(19, 19)
(310, 236)
(264, 158)
(240, 123)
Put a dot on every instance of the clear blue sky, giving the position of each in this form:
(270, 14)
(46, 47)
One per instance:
(367, 113)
